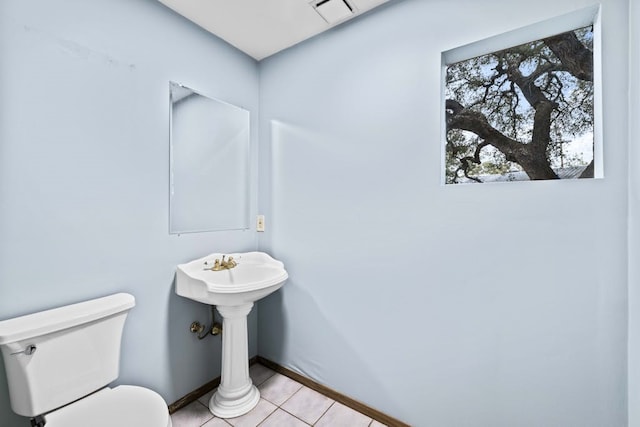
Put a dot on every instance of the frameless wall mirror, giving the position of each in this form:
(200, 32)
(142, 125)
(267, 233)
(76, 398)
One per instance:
(209, 176)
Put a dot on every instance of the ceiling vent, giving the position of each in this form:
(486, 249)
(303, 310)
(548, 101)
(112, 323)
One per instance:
(334, 11)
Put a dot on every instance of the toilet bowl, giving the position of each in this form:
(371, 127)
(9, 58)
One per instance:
(60, 362)
(124, 405)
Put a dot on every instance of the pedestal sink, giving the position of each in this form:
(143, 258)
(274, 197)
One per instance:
(233, 292)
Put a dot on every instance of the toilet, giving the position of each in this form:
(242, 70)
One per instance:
(59, 363)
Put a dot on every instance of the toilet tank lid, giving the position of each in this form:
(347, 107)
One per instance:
(56, 319)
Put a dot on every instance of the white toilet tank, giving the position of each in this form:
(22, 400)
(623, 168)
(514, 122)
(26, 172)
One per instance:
(57, 356)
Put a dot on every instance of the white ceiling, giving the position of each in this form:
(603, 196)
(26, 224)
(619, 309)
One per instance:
(261, 28)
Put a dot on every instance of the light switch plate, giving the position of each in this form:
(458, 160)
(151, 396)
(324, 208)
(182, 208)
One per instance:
(260, 223)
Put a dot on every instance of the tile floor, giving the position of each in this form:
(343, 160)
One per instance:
(283, 403)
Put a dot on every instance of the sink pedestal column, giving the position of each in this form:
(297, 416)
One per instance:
(236, 394)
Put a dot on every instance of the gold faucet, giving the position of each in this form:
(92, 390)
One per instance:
(223, 264)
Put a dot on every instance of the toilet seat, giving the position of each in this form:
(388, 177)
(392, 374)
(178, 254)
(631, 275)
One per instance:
(122, 406)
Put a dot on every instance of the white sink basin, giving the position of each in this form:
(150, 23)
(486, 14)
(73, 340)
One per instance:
(256, 276)
(233, 292)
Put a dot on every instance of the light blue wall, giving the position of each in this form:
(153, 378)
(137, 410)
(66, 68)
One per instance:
(84, 163)
(634, 215)
(492, 305)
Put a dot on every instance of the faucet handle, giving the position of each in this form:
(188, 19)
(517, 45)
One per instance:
(222, 264)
